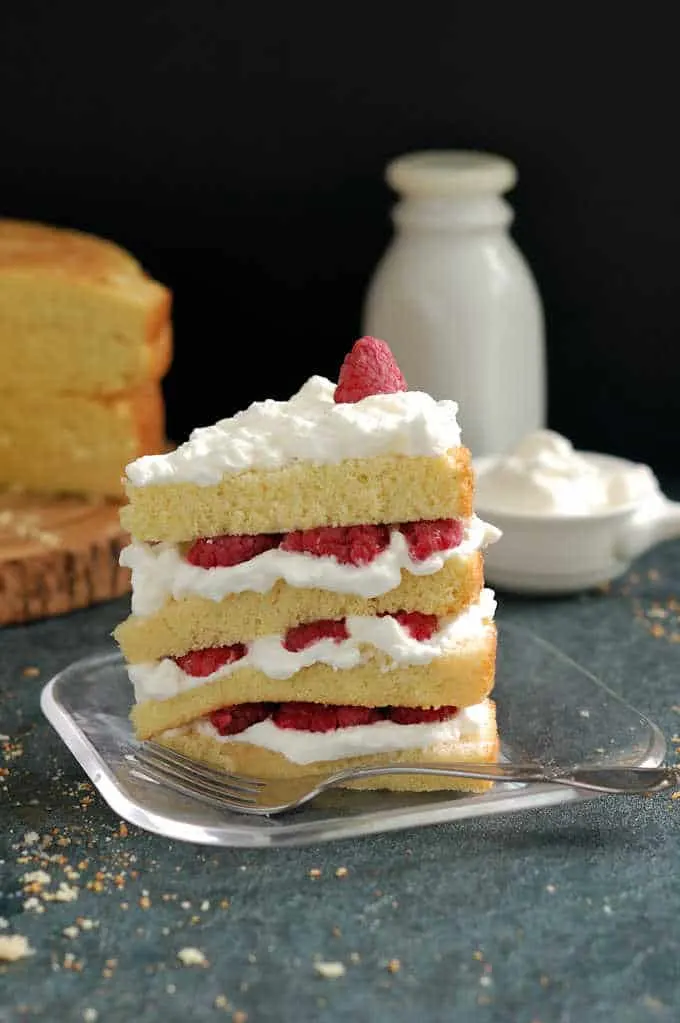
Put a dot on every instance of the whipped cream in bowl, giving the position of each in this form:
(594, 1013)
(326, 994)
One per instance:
(544, 475)
(570, 519)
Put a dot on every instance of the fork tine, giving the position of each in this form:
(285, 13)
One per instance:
(191, 789)
(221, 790)
(200, 770)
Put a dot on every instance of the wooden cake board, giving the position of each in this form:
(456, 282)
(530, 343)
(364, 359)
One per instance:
(57, 554)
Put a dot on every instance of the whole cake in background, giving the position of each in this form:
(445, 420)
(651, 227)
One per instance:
(85, 338)
(308, 585)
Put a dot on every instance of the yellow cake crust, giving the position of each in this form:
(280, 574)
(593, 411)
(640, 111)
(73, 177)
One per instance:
(256, 762)
(389, 488)
(461, 679)
(87, 443)
(194, 623)
(77, 313)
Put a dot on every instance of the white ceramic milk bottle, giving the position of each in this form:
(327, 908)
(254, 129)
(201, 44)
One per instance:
(455, 299)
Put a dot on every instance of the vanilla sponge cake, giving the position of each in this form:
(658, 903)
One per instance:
(77, 313)
(85, 338)
(76, 443)
(308, 585)
(470, 738)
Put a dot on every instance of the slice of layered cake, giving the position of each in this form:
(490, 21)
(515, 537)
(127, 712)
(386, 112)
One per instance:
(308, 586)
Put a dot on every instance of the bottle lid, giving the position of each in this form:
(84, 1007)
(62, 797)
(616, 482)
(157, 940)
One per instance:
(448, 172)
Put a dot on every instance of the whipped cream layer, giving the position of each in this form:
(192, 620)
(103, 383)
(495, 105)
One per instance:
(163, 679)
(469, 724)
(159, 571)
(544, 475)
(310, 426)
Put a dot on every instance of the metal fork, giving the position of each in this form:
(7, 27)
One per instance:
(163, 766)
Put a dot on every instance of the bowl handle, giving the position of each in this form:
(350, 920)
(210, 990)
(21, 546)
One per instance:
(656, 520)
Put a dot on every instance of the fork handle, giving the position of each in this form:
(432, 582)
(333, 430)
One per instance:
(623, 781)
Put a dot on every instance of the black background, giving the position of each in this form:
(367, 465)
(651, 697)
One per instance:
(238, 151)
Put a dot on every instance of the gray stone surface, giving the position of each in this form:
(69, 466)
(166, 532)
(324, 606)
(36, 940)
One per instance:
(555, 916)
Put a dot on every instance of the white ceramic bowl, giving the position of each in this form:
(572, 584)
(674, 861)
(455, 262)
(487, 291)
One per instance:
(544, 554)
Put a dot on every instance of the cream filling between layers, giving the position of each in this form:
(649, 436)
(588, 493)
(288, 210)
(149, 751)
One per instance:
(163, 679)
(159, 571)
(469, 724)
(311, 427)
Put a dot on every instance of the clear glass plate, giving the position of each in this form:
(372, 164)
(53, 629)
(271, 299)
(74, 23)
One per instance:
(550, 710)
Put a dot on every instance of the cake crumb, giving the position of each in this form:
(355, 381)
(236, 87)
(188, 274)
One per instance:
(71, 932)
(393, 966)
(551, 889)
(191, 957)
(205, 906)
(315, 872)
(31, 671)
(354, 957)
(90, 1015)
(14, 947)
(31, 837)
(330, 971)
(341, 872)
(34, 905)
(239, 1016)
(64, 893)
(221, 1002)
(39, 877)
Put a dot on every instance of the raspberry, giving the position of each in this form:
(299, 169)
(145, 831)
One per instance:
(235, 719)
(204, 662)
(225, 551)
(302, 636)
(419, 625)
(323, 717)
(370, 368)
(350, 545)
(419, 715)
(429, 536)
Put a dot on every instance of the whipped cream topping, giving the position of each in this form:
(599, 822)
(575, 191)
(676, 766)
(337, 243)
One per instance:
(544, 475)
(163, 679)
(468, 725)
(160, 571)
(308, 427)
